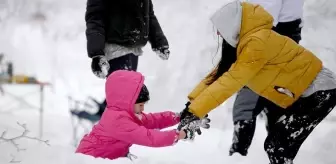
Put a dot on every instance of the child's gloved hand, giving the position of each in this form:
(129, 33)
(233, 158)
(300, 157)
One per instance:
(100, 66)
(163, 52)
(187, 134)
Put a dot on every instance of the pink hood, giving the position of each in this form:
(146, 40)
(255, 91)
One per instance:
(122, 90)
(119, 127)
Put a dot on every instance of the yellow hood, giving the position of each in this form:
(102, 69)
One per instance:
(255, 18)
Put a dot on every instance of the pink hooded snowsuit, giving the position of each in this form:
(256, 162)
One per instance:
(119, 127)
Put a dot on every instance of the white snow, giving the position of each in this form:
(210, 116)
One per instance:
(46, 38)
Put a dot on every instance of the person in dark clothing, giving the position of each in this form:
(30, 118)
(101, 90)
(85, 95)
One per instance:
(292, 29)
(116, 32)
(248, 105)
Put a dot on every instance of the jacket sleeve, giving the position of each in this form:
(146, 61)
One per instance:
(95, 27)
(156, 35)
(200, 87)
(128, 131)
(160, 120)
(250, 61)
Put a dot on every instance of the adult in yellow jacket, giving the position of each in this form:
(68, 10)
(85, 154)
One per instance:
(301, 90)
(247, 106)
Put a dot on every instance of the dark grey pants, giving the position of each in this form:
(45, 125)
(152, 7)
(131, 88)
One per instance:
(247, 106)
(126, 62)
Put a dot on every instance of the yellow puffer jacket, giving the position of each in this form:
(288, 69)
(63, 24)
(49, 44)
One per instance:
(272, 65)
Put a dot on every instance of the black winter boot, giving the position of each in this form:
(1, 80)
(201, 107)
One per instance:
(242, 136)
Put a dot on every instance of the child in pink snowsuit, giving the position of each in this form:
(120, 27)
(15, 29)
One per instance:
(123, 123)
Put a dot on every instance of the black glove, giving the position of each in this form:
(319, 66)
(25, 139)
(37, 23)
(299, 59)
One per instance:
(100, 66)
(163, 52)
(185, 111)
(191, 121)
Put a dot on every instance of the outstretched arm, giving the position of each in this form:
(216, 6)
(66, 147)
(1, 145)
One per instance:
(128, 131)
(250, 61)
(200, 87)
(160, 120)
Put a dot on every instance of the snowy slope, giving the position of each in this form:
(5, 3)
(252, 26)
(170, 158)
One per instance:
(211, 147)
(46, 38)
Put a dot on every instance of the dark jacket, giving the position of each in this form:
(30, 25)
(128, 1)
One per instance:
(128, 23)
(291, 29)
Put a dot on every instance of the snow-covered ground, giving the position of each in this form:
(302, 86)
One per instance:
(46, 38)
